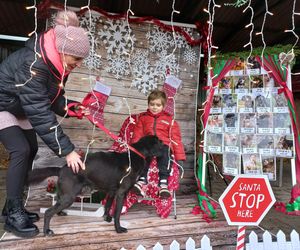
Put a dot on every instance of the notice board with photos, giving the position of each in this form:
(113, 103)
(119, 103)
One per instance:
(249, 122)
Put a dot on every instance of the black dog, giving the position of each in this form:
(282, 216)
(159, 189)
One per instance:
(104, 170)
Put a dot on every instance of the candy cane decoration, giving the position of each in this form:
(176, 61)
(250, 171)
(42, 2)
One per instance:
(241, 238)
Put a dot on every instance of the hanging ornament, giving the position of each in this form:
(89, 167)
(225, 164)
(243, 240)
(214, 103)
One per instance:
(286, 58)
(171, 87)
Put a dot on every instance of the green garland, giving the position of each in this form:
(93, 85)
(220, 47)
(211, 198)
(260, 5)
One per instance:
(274, 50)
(237, 4)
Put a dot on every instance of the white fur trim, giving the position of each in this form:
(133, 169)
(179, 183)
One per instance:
(173, 81)
(101, 88)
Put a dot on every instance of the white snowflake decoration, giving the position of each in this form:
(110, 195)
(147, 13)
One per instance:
(190, 56)
(144, 76)
(118, 65)
(166, 61)
(93, 61)
(115, 35)
(89, 25)
(180, 39)
(159, 40)
(138, 60)
(91, 28)
(145, 80)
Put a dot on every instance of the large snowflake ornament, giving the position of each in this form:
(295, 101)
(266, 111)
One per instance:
(117, 37)
(118, 65)
(166, 62)
(190, 56)
(159, 40)
(145, 80)
(93, 61)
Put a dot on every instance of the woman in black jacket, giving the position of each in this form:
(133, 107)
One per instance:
(31, 93)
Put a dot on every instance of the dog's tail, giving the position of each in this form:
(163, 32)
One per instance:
(38, 175)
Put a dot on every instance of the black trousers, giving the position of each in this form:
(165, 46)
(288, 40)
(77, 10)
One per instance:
(22, 147)
(162, 165)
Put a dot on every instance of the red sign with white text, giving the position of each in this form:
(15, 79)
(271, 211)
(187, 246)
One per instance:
(247, 200)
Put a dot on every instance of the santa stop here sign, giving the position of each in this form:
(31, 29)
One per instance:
(247, 200)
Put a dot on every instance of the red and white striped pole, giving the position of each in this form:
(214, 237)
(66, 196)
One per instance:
(241, 238)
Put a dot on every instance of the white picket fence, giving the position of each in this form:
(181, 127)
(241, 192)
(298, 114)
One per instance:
(265, 244)
(280, 244)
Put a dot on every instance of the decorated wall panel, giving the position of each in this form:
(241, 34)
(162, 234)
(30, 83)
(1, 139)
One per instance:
(133, 60)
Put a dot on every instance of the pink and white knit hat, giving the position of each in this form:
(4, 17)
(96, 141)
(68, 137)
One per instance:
(72, 41)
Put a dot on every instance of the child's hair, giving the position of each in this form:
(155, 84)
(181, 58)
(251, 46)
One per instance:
(158, 94)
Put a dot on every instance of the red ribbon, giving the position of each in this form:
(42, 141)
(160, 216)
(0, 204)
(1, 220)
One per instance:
(229, 64)
(269, 65)
(45, 6)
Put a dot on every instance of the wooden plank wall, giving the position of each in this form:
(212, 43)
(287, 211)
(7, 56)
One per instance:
(116, 110)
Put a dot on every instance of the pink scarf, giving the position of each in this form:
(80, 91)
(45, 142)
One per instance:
(52, 54)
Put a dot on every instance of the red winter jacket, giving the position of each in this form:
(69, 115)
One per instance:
(161, 125)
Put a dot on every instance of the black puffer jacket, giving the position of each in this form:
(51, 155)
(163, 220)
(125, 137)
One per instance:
(39, 99)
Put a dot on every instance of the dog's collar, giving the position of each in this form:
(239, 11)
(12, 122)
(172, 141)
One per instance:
(137, 152)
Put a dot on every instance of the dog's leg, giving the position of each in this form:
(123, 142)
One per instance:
(64, 202)
(119, 204)
(108, 204)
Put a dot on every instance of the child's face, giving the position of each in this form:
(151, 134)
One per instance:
(155, 106)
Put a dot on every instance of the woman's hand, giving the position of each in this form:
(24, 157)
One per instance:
(74, 161)
(84, 110)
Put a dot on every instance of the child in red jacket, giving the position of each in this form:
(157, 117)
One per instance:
(157, 122)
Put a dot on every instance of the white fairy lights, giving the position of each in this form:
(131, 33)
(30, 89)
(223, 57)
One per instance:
(293, 31)
(36, 54)
(211, 16)
(210, 22)
(251, 32)
(172, 25)
(267, 12)
(90, 78)
(129, 38)
(61, 85)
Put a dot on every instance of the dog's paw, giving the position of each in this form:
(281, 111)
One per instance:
(62, 213)
(121, 230)
(107, 218)
(48, 232)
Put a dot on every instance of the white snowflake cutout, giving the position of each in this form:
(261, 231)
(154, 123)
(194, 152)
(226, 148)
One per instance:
(115, 35)
(166, 61)
(145, 80)
(118, 65)
(93, 61)
(139, 58)
(89, 24)
(190, 56)
(180, 39)
(159, 40)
